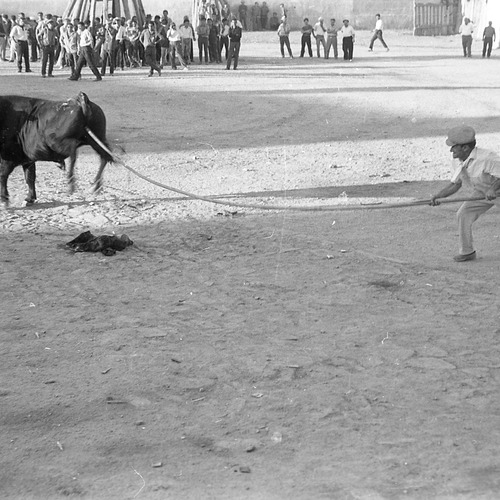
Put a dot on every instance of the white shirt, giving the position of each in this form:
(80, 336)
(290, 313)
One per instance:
(19, 34)
(346, 31)
(466, 29)
(319, 30)
(379, 25)
(86, 39)
(121, 33)
(185, 32)
(173, 35)
(479, 171)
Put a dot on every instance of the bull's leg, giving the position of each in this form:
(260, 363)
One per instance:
(71, 172)
(30, 178)
(6, 169)
(98, 177)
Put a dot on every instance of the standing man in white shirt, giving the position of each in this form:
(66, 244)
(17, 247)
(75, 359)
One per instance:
(377, 33)
(466, 29)
(19, 37)
(319, 32)
(348, 36)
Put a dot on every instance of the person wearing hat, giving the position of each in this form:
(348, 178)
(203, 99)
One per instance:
(347, 33)
(479, 170)
(319, 32)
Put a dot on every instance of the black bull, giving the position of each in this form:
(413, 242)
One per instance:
(34, 130)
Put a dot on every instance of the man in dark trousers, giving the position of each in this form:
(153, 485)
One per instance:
(19, 37)
(86, 54)
(377, 34)
(489, 37)
(235, 32)
(347, 32)
(48, 41)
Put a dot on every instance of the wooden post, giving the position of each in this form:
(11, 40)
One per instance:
(69, 8)
(92, 12)
(125, 8)
(76, 9)
(104, 11)
(116, 8)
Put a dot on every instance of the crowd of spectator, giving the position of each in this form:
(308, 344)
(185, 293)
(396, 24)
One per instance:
(117, 42)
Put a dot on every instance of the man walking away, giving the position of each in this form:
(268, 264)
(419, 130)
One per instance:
(377, 33)
(489, 36)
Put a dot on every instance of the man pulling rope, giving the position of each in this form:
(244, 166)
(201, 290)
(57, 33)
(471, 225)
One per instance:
(478, 169)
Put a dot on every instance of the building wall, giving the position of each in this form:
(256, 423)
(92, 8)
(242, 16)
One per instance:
(396, 14)
(480, 12)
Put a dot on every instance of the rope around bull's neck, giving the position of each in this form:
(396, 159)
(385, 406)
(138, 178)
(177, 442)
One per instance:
(299, 208)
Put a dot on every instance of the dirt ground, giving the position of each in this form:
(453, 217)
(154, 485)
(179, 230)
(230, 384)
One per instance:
(237, 353)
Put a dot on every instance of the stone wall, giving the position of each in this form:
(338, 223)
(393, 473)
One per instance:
(396, 14)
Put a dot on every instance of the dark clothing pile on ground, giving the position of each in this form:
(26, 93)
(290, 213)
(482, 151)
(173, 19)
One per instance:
(108, 245)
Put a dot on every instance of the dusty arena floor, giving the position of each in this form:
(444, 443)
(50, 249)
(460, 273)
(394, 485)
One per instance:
(236, 353)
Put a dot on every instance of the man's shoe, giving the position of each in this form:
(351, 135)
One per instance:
(73, 79)
(29, 71)
(370, 50)
(97, 80)
(465, 258)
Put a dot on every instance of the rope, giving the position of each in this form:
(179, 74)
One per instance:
(301, 208)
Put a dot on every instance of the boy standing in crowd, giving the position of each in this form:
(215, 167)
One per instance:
(19, 36)
(306, 31)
